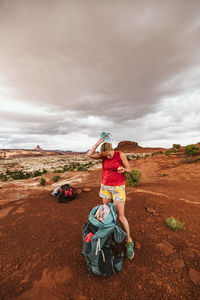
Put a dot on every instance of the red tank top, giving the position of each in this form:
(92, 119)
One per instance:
(110, 176)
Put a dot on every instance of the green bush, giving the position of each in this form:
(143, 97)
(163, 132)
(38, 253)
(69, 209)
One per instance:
(68, 168)
(190, 160)
(56, 178)
(36, 173)
(3, 177)
(164, 174)
(137, 157)
(133, 178)
(59, 171)
(153, 153)
(191, 150)
(44, 171)
(172, 151)
(82, 168)
(42, 181)
(20, 175)
(174, 224)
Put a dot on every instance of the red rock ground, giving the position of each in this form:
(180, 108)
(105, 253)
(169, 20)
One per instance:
(41, 240)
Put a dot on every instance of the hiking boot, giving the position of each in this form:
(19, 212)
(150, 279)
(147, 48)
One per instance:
(129, 250)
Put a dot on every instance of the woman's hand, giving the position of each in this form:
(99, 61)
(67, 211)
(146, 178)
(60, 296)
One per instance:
(120, 169)
(125, 163)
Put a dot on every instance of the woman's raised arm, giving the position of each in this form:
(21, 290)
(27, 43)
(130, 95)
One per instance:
(91, 153)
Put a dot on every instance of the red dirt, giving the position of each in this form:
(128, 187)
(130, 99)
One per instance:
(41, 240)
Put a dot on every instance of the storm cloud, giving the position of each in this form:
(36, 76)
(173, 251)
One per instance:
(71, 69)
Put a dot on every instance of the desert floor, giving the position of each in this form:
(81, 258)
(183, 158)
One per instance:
(41, 239)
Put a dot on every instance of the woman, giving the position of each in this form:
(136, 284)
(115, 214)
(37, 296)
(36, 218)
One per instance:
(114, 167)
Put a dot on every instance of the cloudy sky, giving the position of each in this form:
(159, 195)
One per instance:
(72, 69)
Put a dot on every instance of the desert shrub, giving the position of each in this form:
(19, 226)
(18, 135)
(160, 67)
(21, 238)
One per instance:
(172, 151)
(42, 181)
(87, 165)
(164, 174)
(133, 178)
(97, 162)
(59, 171)
(176, 146)
(19, 175)
(190, 160)
(8, 172)
(3, 177)
(36, 173)
(137, 157)
(128, 157)
(191, 150)
(154, 153)
(44, 171)
(174, 224)
(56, 178)
(82, 168)
(68, 168)
(146, 155)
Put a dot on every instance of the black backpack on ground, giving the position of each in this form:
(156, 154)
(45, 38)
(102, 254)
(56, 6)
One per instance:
(66, 193)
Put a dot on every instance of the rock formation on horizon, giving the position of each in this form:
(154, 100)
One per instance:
(38, 148)
(127, 146)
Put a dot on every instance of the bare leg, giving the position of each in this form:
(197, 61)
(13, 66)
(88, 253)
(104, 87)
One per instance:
(120, 213)
(106, 201)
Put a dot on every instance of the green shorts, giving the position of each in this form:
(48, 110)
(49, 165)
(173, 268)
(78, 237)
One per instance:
(116, 193)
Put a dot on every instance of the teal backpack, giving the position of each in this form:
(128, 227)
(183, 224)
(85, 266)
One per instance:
(99, 240)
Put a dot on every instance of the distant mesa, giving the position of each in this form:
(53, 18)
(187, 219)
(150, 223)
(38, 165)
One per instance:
(38, 148)
(127, 146)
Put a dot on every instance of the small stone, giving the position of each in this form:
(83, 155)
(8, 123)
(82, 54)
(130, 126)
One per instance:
(53, 240)
(150, 210)
(178, 264)
(87, 190)
(194, 275)
(165, 248)
(167, 286)
(137, 245)
(17, 266)
(149, 220)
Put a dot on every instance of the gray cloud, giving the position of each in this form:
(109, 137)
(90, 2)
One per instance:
(115, 61)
